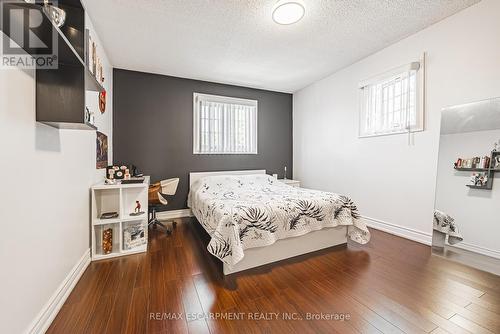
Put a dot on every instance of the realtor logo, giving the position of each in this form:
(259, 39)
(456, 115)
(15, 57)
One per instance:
(29, 38)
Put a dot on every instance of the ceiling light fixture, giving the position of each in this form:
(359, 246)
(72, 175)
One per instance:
(288, 11)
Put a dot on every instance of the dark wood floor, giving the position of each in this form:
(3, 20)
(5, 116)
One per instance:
(391, 285)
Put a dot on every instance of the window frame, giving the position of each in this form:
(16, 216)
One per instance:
(419, 68)
(227, 100)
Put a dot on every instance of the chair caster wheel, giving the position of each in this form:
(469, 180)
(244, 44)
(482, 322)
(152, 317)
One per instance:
(174, 224)
(169, 232)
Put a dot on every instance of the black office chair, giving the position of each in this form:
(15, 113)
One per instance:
(158, 197)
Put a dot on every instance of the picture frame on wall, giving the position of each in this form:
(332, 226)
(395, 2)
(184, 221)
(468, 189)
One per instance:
(101, 150)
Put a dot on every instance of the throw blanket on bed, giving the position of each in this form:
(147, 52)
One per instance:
(241, 212)
(446, 224)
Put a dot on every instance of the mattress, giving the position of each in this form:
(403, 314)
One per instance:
(246, 211)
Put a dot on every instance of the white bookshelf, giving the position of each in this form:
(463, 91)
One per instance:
(121, 199)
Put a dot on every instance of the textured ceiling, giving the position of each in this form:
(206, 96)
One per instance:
(236, 41)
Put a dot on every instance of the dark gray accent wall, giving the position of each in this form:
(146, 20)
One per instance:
(153, 128)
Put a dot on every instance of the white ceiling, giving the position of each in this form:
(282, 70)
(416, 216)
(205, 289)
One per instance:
(237, 42)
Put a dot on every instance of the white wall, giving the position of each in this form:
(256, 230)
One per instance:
(44, 198)
(475, 211)
(392, 182)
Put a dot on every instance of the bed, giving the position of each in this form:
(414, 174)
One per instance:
(254, 219)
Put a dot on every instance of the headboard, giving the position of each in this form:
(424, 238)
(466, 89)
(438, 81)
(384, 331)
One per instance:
(196, 176)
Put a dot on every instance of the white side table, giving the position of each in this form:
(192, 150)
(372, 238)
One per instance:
(293, 183)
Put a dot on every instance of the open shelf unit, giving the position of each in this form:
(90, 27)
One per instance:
(486, 187)
(490, 172)
(129, 232)
(60, 93)
(472, 169)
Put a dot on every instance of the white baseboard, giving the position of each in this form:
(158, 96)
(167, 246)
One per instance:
(478, 249)
(173, 214)
(400, 231)
(43, 320)
(422, 237)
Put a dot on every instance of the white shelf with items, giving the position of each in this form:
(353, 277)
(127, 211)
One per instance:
(127, 233)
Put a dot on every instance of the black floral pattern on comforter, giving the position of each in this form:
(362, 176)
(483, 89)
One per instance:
(241, 212)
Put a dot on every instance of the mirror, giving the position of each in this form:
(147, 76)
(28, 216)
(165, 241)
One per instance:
(466, 224)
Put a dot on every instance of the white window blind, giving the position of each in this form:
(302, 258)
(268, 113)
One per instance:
(391, 103)
(224, 125)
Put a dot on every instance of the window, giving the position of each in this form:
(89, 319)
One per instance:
(393, 102)
(224, 125)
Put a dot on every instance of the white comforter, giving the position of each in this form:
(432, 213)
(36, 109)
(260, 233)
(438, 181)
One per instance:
(241, 212)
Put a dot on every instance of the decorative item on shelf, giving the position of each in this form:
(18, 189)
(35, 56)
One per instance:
(109, 215)
(111, 171)
(92, 61)
(98, 69)
(125, 171)
(100, 78)
(96, 65)
(110, 182)
(102, 101)
(485, 162)
(137, 210)
(87, 52)
(94, 57)
(56, 14)
(117, 172)
(89, 116)
(476, 162)
(107, 241)
(484, 169)
(483, 179)
(129, 169)
(135, 171)
(101, 150)
(479, 179)
(134, 236)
